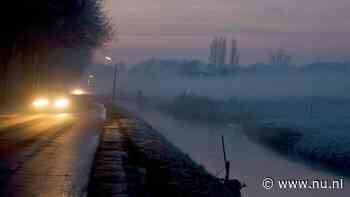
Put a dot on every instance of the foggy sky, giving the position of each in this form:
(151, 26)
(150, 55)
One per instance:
(312, 30)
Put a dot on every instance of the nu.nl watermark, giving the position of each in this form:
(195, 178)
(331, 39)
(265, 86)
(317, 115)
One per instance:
(302, 184)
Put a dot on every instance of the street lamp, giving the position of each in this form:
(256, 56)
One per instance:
(109, 59)
(91, 81)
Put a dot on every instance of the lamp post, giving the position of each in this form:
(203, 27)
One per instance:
(91, 82)
(115, 76)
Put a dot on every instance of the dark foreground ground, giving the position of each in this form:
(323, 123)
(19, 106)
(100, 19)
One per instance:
(135, 160)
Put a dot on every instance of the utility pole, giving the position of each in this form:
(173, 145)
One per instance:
(115, 81)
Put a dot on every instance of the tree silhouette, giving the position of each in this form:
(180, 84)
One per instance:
(280, 58)
(44, 34)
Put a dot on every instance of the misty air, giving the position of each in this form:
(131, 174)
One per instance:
(103, 98)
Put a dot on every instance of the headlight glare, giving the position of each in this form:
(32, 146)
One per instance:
(41, 103)
(61, 103)
(78, 92)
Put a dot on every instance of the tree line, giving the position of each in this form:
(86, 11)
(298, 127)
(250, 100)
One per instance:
(47, 42)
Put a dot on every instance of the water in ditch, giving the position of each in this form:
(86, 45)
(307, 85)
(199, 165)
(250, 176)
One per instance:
(250, 162)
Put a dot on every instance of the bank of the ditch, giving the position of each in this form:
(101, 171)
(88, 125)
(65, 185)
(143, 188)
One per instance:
(133, 159)
(297, 142)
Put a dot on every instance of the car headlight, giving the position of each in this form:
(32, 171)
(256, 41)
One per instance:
(61, 103)
(78, 92)
(41, 103)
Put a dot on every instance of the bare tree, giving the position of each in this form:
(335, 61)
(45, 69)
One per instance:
(234, 59)
(280, 58)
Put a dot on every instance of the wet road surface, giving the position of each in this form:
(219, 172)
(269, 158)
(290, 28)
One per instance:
(47, 154)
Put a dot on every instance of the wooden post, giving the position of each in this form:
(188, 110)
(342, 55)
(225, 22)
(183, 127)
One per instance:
(227, 163)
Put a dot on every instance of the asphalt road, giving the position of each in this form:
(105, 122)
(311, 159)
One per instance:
(47, 154)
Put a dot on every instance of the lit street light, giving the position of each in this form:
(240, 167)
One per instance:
(108, 59)
(114, 78)
(91, 81)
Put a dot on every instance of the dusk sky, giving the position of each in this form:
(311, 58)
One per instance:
(312, 30)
